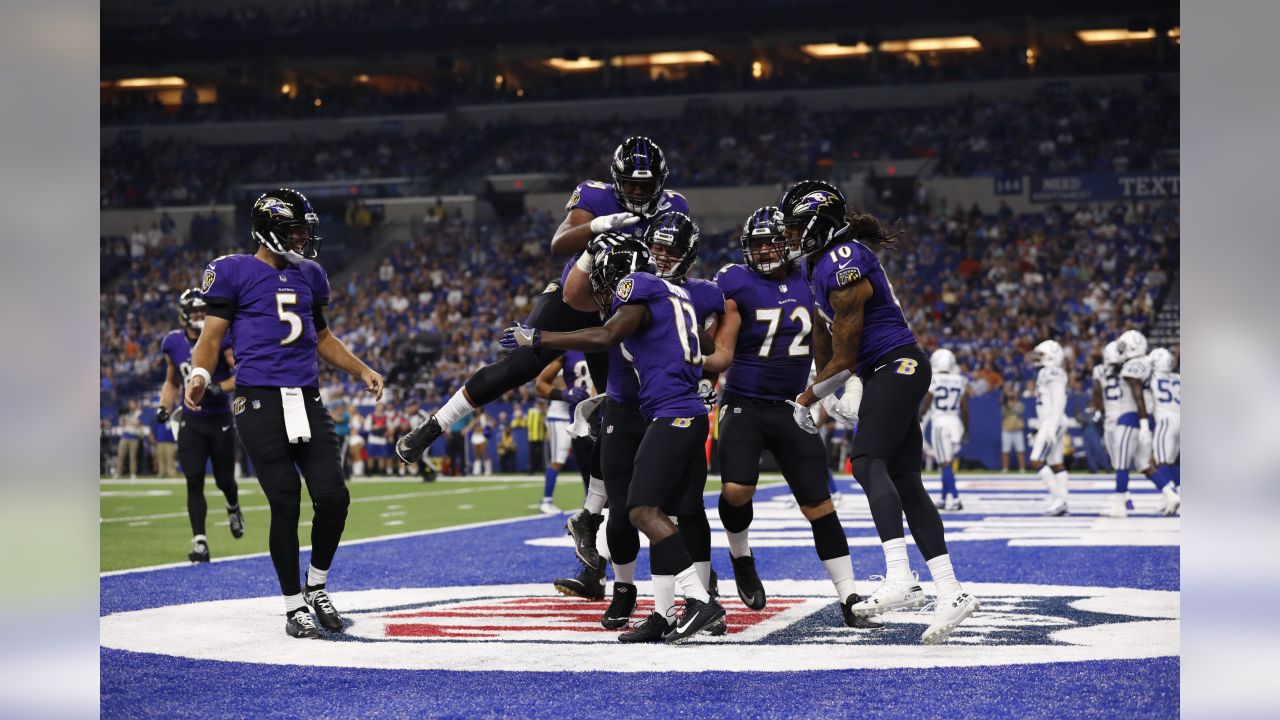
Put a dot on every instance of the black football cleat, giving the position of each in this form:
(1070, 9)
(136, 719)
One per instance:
(582, 527)
(411, 445)
(588, 584)
(854, 621)
(619, 612)
(199, 552)
(319, 601)
(697, 616)
(300, 625)
(235, 519)
(750, 589)
(653, 629)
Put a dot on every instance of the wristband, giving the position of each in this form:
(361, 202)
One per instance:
(555, 394)
(202, 373)
(585, 261)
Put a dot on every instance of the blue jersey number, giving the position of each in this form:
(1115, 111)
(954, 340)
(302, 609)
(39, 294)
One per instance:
(1170, 391)
(1111, 390)
(947, 399)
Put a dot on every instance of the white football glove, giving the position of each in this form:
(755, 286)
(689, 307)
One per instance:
(707, 391)
(803, 417)
(1144, 434)
(605, 223)
(839, 410)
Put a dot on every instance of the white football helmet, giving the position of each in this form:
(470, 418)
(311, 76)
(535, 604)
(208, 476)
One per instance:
(943, 361)
(1161, 360)
(1111, 354)
(1048, 354)
(1131, 344)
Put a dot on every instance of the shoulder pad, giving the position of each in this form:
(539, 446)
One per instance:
(595, 184)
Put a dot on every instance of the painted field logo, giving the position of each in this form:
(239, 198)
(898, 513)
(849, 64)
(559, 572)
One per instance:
(522, 628)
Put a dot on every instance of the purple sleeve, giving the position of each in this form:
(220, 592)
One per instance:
(219, 280)
(594, 197)
(727, 281)
(319, 281)
(636, 288)
(678, 202)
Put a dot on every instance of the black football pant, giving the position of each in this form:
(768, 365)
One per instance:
(203, 439)
(888, 448)
(521, 366)
(260, 424)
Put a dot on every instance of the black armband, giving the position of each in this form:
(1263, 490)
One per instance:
(317, 317)
(556, 394)
(220, 307)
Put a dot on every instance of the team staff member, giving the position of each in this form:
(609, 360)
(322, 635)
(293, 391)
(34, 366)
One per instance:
(273, 304)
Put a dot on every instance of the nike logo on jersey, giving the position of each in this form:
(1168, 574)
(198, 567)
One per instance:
(844, 264)
(316, 398)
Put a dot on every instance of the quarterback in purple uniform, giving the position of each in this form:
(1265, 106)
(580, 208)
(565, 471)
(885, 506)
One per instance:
(764, 344)
(628, 204)
(204, 435)
(673, 241)
(864, 331)
(272, 302)
(657, 326)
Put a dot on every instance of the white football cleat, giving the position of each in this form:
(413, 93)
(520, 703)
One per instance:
(949, 612)
(891, 595)
(549, 508)
(954, 504)
(1057, 508)
(1172, 501)
(1116, 508)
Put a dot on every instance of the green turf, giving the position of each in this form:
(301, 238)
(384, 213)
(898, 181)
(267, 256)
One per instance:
(133, 536)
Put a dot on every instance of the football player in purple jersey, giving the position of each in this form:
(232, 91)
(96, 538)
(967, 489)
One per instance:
(204, 435)
(864, 331)
(764, 342)
(672, 241)
(272, 303)
(629, 204)
(656, 324)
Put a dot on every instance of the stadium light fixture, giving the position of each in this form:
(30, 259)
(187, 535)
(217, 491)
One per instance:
(150, 83)
(938, 44)
(582, 63)
(1104, 36)
(690, 57)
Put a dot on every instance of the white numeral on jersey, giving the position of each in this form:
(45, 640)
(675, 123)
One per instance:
(582, 375)
(773, 316)
(798, 346)
(687, 329)
(286, 316)
(185, 369)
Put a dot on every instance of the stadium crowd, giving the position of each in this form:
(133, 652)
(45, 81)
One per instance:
(987, 286)
(1113, 131)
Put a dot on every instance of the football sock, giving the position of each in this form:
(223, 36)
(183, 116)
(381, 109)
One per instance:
(735, 518)
(691, 585)
(664, 597)
(896, 567)
(596, 497)
(549, 485)
(1122, 481)
(200, 538)
(949, 481)
(1046, 476)
(454, 410)
(293, 602)
(703, 568)
(1177, 475)
(625, 572)
(738, 544)
(316, 577)
(841, 571)
(1060, 484)
(944, 577)
(828, 537)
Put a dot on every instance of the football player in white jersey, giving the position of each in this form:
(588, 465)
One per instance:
(1135, 417)
(561, 396)
(947, 403)
(1051, 410)
(1110, 396)
(1165, 386)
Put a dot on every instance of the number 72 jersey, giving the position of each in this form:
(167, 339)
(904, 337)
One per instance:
(772, 357)
(665, 353)
(273, 319)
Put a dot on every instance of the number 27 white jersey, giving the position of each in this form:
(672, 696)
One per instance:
(947, 389)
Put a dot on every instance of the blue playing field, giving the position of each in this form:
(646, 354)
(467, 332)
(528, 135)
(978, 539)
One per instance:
(1079, 618)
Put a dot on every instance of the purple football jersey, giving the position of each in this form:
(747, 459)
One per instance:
(597, 198)
(772, 357)
(575, 371)
(273, 329)
(624, 386)
(665, 352)
(177, 346)
(884, 327)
